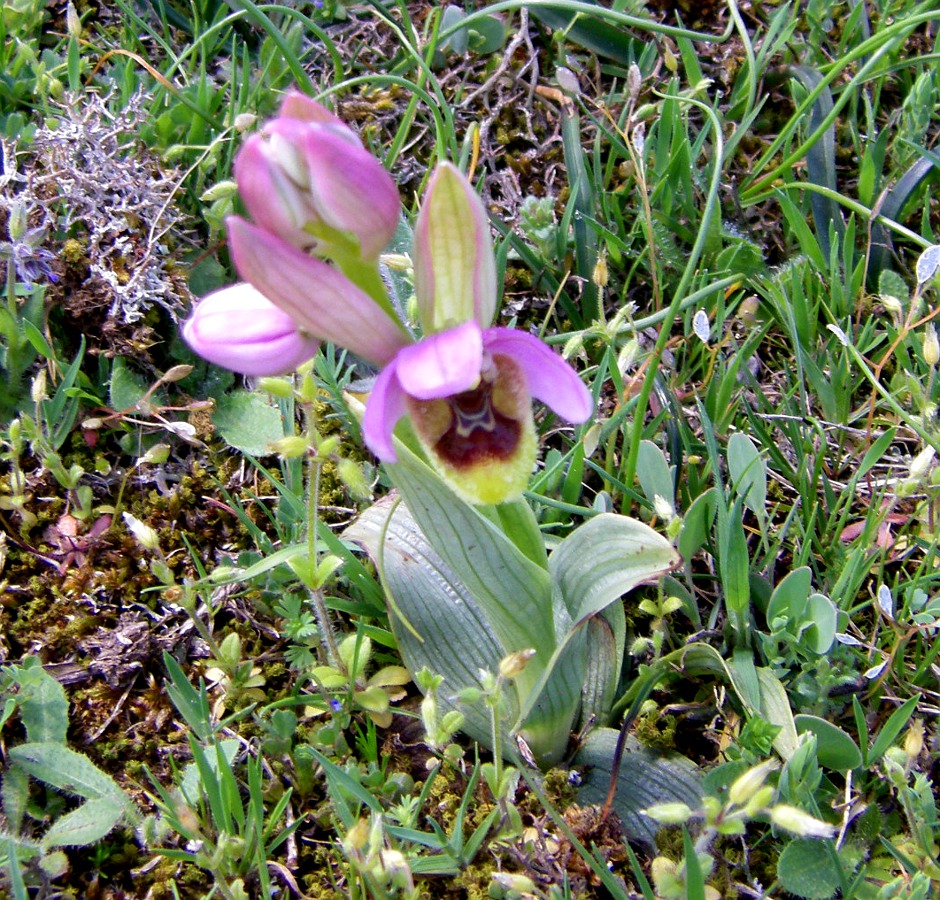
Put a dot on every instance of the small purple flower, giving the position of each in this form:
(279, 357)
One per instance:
(239, 328)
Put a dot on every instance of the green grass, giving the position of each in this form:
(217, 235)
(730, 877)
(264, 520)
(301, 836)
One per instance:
(730, 253)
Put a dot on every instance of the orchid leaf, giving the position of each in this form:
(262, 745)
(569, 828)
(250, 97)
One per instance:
(513, 592)
(551, 704)
(643, 780)
(451, 636)
(603, 559)
(606, 637)
(891, 205)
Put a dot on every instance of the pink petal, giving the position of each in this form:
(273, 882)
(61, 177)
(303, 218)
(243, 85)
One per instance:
(319, 298)
(240, 329)
(442, 364)
(351, 189)
(385, 406)
(550, 378)
(296, 105)
(274, 201)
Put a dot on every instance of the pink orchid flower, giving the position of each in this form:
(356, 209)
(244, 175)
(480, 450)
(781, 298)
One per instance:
(240, 329)
(468, 387)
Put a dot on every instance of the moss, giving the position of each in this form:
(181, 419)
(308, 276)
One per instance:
(655, 730)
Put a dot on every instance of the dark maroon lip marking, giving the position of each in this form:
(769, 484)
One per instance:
(478, 432)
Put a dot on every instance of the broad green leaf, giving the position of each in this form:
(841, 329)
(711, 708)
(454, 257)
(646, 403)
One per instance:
(653, 472)
(248, 422)
(748, 473)
(606, 637)
(834, 748)
(807, 869)
(644, 779)
(603, 559)
(697, 523)
(127, 388)
(821, 159)
(42, 702)
(790, 595)
(775, 708)
(514, 593)
(821, 611)
(745, 678)
(68, 771)
(438, 624)
(86, 825)
(14, 791)
(551, 704)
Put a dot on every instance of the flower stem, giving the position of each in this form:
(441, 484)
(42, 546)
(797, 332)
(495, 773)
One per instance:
(314, 471)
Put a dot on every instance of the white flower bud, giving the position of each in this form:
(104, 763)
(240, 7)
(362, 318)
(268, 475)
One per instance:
(800, 823)
(931, 346)
(920, 464)
(145, 535)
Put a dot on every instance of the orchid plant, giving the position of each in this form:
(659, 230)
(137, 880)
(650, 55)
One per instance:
(485, 599)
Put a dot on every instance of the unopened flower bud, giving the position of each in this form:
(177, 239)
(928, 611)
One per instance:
(891, 304)
(663, 508)
(920, 464)
(37, 391)
(669, 813)
(634, 81)
(748, 784)
(931, 346)
(914, 739)
(512, 665)
(279, 387)
(357, 838)
(145, 535)
(307, 171)
(73, 24)
(351, 475)
(800, 823)
(16, 223)
(519, 884)
(760, 801)
(627, 356)
(239, 328)
(177, 373)
(291, 446)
